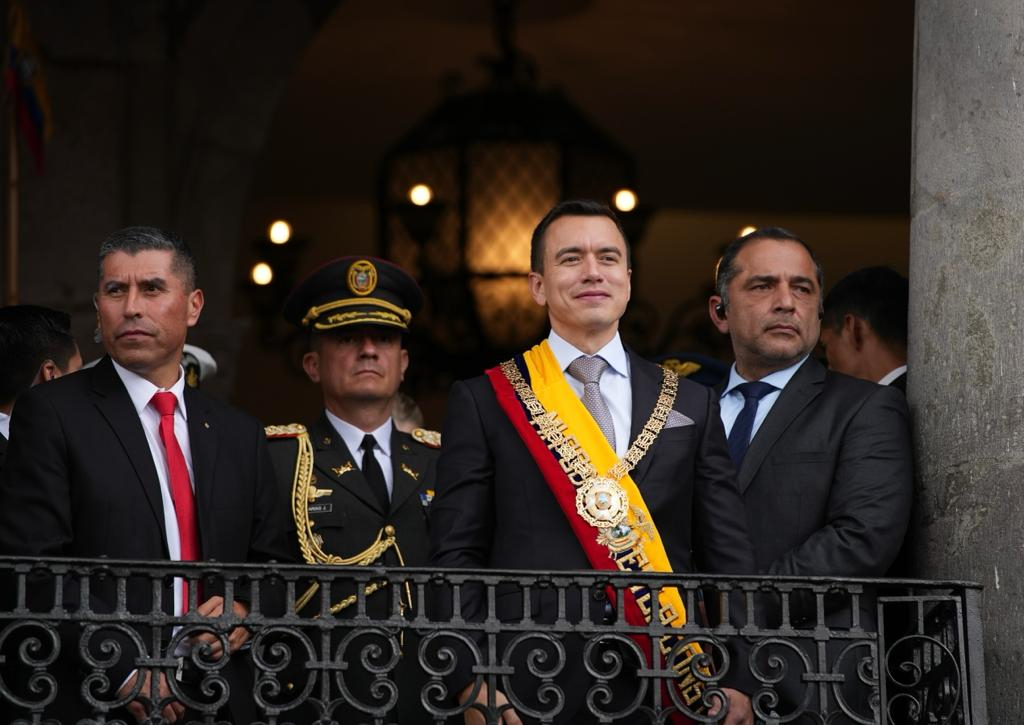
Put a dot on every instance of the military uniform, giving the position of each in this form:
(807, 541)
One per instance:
(342, 518)
(338, 516)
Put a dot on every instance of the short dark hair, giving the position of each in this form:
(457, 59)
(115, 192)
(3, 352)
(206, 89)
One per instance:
(725, 270)
(878, 295)
(572, 207)
(30, 335)
(133, 240)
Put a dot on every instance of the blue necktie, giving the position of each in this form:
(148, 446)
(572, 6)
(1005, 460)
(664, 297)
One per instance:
(739, 436)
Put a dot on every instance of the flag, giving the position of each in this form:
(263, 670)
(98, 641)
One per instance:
(23, 76)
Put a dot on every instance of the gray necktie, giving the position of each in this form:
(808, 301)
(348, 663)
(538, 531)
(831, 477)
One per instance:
(588, 371)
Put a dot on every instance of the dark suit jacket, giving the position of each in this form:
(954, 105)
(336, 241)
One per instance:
(3, 451)
(494, 509)
(900, 383)
(827, 480)
(80, 481)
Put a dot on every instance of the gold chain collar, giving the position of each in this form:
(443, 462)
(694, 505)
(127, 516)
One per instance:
(600, 500)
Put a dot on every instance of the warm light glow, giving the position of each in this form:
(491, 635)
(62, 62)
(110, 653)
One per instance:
(747, 230)
(261, 273)
(625, 200)
(421, 194)
(280, 232)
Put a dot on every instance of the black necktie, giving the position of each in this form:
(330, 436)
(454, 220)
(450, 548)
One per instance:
(739, 436)
(373, 473)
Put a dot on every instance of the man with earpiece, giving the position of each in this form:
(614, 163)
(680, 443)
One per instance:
(824, 460)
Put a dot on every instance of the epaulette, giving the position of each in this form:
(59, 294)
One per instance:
(292, 430)
(682, 368)
(429, 438)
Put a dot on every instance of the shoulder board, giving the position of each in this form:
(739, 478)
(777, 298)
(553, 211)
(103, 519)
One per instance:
(292, 430)
(429, 438)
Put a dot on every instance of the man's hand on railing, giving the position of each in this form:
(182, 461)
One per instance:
(739, 713)
(214, 607)
(473, 716)
(172, 712)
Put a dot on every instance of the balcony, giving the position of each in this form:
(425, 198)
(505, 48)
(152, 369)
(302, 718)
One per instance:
(552, 642)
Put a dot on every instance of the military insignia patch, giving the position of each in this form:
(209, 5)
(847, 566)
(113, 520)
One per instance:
(426, 497)
(342, 470)
(315, 493)
(430, 438)
(362, 277)
(683, 368)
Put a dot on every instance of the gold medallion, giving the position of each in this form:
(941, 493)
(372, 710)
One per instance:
(362, 277)
(602, 502)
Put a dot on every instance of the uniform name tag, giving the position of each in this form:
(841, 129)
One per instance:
(320, 508)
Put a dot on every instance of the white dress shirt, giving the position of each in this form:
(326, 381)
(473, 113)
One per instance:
(141, 391)
(732, 400)
(353, 438)
(615, 388)
(892, 375)
(5, 425)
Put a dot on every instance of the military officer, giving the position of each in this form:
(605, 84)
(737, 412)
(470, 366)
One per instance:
(358, 487)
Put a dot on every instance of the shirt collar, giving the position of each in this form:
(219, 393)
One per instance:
(353, 436)
(892, 375)
(5, 425)
(780, 378)
(613, 353)
(141, 391)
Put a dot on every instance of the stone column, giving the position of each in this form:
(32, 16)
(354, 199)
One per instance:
(966, 338)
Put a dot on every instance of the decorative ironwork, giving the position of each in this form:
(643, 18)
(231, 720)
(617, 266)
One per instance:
(809, 646)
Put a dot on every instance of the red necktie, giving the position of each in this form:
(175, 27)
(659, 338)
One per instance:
(181, 487)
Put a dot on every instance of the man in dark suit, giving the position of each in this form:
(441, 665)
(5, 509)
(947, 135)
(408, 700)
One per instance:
(123, 460)
(864, 330)
(35, 346)
(824, 460)
(496, 509)
(369, 483)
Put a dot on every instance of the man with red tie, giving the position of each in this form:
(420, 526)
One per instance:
(124, 460)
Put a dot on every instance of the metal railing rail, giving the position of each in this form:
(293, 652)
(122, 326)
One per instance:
(555, 643)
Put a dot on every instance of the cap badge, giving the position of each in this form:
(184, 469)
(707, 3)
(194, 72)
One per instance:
(362, 277)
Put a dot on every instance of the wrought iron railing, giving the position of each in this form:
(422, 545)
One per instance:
(556, 644)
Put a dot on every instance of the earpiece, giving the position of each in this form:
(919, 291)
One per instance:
(720, 310)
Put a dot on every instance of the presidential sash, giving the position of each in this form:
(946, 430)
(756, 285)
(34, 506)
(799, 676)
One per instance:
(606, 511)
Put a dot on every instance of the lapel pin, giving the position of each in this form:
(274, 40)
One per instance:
(342, 470)
(326, 441)
(315, 493)
(206, 424)
(414, 474)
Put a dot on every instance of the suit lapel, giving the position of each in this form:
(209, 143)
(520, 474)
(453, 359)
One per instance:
(336, 463)
(645, 382)
(202, 440)
(803, 387)
(407, 464)
(115, 405)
